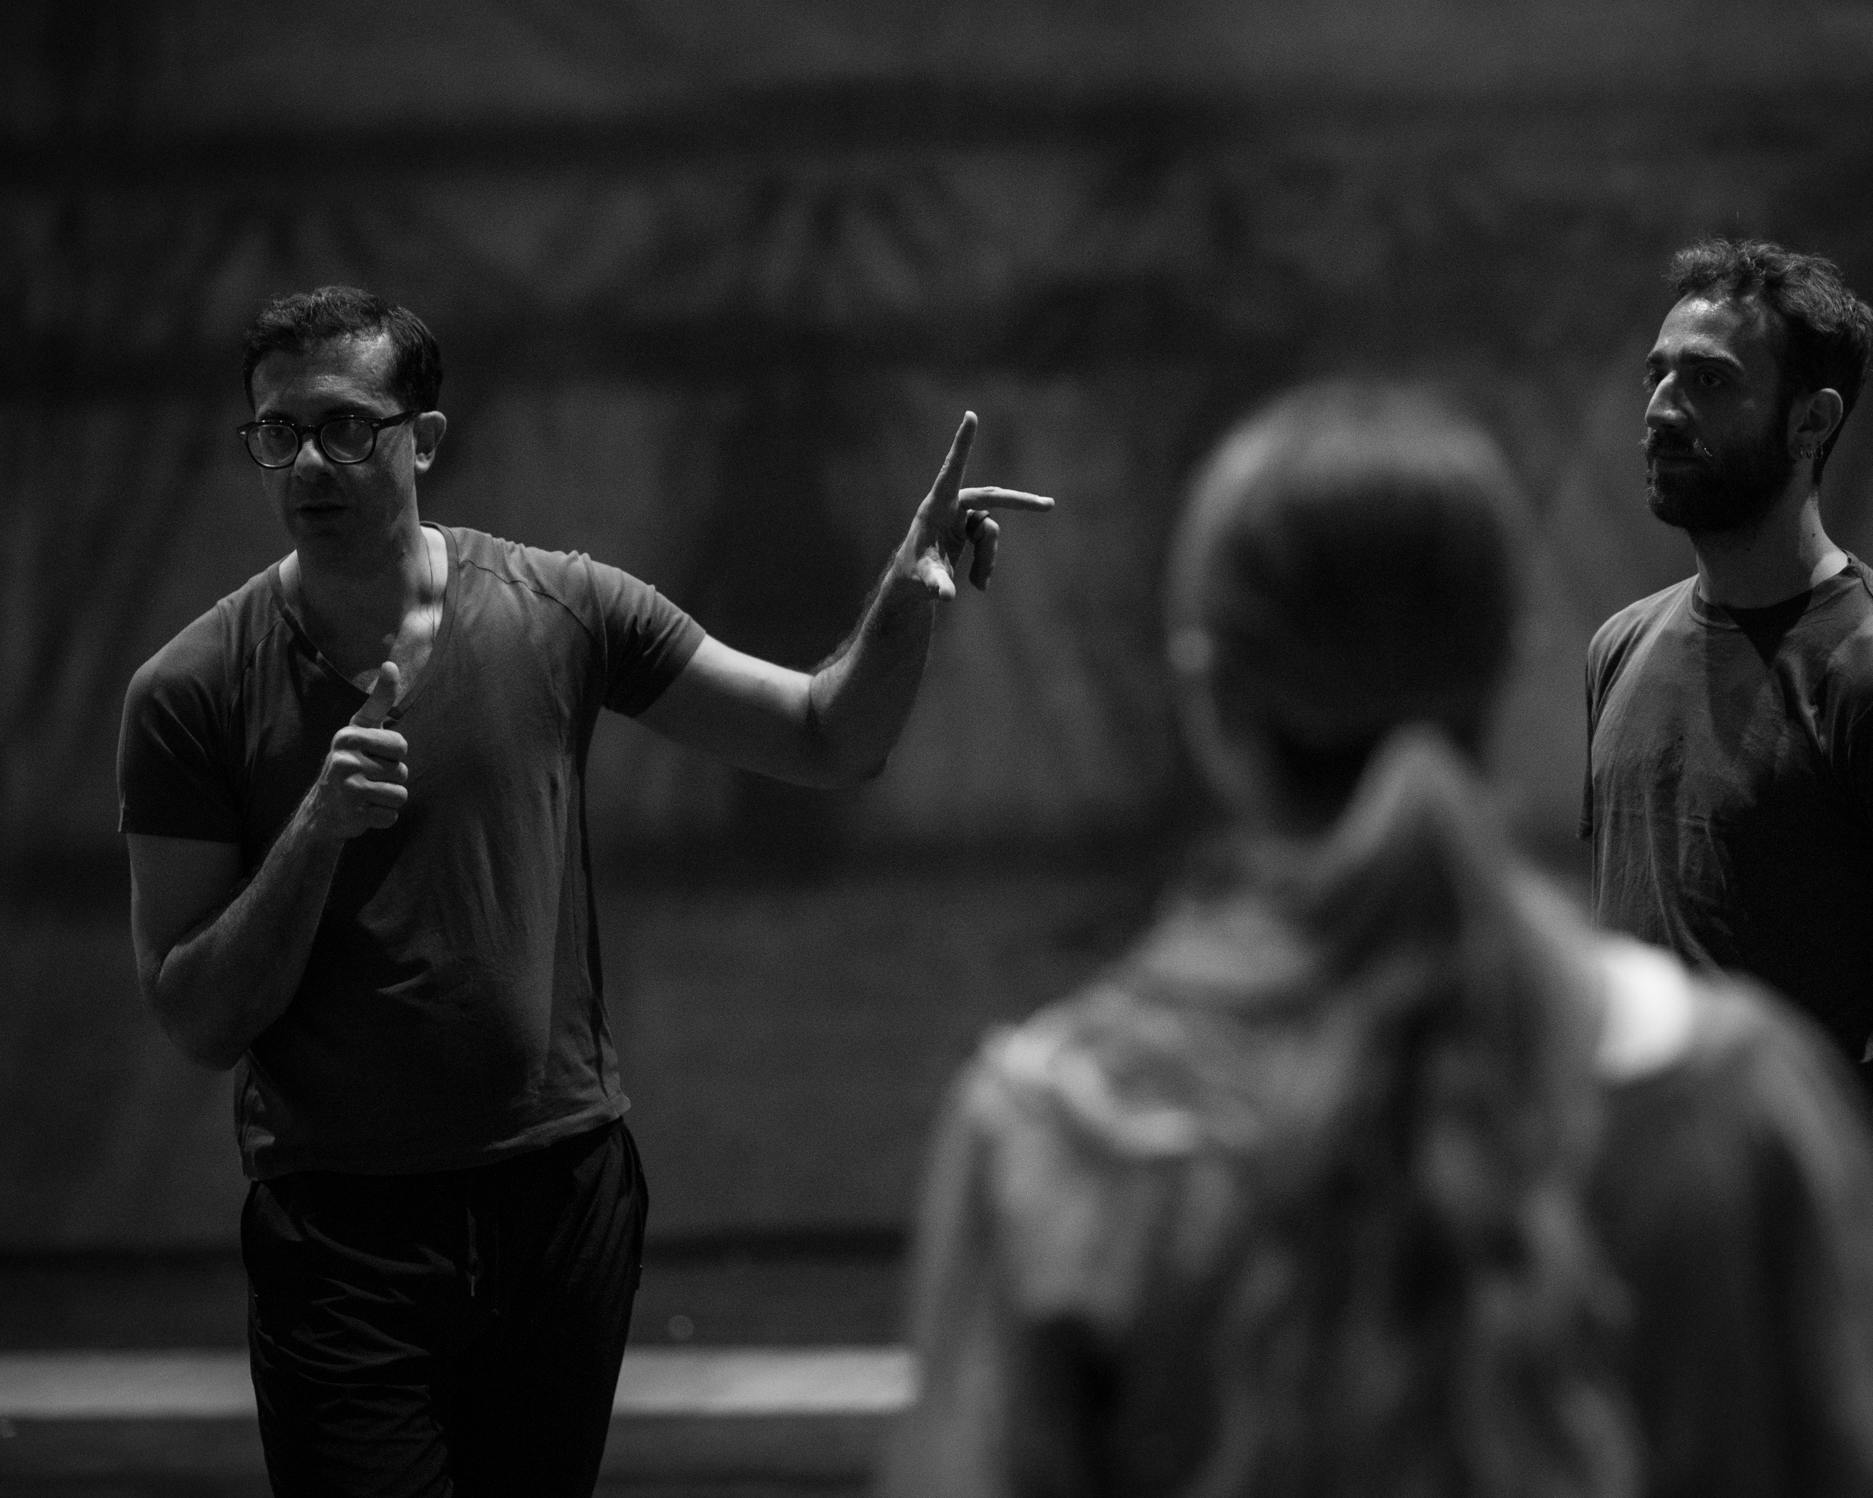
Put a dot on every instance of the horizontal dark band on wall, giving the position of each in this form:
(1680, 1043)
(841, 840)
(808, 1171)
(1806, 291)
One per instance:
(867, 118)
(1081, 329)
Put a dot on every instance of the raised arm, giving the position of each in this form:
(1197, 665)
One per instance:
(219, 959)
(837, 725)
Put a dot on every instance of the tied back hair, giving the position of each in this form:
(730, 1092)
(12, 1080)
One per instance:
(1416, 1307)
(1419, 1306)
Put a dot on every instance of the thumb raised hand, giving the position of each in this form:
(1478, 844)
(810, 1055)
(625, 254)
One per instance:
(383, 697)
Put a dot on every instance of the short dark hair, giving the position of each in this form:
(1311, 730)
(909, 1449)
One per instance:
(1828, 331)
(305, 319)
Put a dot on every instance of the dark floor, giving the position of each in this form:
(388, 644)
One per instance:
(828, 1289)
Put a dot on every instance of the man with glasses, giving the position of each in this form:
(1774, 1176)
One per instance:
(353, 806)
(275, 442)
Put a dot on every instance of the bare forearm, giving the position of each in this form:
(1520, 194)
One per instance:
(860, 698)
(218, 968)
(859, 701)
(222, 984)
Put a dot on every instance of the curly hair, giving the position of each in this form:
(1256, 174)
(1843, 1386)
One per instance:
(305, 319)
(1827, 330)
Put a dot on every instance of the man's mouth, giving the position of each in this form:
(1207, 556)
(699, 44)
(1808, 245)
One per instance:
(1675, 452)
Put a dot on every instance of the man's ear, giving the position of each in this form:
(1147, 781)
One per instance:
(1814, 418)
(429, 428)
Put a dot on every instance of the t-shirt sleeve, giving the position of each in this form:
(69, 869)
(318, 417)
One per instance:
(172, 778)
(648, 640)
(1605, 651)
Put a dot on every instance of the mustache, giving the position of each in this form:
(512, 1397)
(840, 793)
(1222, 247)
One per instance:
(1658, 445)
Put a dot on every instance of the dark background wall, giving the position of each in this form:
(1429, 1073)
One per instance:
(714, 284)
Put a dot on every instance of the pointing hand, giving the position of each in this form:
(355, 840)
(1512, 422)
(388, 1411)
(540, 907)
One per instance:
(951, 517)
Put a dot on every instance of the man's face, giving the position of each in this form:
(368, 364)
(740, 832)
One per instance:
(326, 505)
(1717, 451)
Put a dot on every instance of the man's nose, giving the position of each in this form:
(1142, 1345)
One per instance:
(1662, 409)
(309, 446)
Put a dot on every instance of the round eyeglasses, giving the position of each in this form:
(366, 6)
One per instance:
(275, 442)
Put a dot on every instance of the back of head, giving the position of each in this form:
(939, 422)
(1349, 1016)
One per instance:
(1828, 330)
(1350, 561)
(1419, 1305)
(307, 319)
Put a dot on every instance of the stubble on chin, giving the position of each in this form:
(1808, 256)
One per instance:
(1700, 500)
(1675, 504)
(1673, 499)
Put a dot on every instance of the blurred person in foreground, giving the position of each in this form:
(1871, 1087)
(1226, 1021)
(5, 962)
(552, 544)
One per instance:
(353, 794)
(1373, 1170)
(1729, 793)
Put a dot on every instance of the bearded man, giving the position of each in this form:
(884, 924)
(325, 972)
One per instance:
(1729, 794)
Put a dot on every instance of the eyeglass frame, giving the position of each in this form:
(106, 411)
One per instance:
(317, 433)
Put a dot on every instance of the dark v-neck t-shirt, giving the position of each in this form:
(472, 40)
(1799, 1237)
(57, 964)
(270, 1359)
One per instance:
(1729, 792)
(451, 1011)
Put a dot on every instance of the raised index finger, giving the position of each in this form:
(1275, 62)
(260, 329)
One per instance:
(951, 473)
(993, 497)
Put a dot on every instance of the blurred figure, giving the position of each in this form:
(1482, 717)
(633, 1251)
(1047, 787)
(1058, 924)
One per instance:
(1373, 1170)
(1730, 781)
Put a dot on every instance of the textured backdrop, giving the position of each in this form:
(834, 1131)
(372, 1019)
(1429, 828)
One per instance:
(713, 285)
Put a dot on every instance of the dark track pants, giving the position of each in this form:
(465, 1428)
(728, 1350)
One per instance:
(448, 1334)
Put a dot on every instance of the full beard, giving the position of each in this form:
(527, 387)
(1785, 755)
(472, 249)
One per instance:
(1712, 493)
